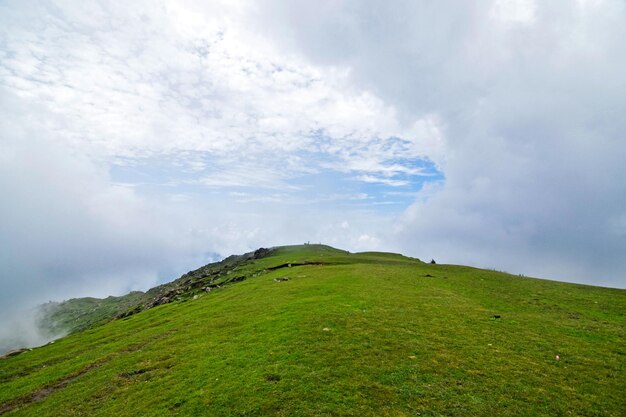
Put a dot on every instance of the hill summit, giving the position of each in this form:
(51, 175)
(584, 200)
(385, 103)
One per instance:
(311, 330)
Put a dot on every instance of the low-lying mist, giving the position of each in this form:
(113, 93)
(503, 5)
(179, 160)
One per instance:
(26, 329)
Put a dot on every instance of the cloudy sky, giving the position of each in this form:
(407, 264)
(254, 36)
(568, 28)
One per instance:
(141, 139)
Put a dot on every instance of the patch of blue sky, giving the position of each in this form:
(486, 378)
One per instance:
(425, 165)
(318, 183)
(350, 189)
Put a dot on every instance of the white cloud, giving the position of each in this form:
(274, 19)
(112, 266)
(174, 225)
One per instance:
(514, 11)
(528, 96)
(185, 76)
(377, 180)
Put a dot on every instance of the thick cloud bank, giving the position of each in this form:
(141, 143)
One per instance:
(531, 98)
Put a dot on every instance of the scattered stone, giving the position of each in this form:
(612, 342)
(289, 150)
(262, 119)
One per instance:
(14, 352)
(281, 279)
(195, 297)
(272, 378)
(261, 253)
(207, 289)
(160, 300)
(132, 372)
(326, 329)
(497, 316)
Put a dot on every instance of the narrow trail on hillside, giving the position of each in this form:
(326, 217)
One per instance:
(48, 389)
(45, 391)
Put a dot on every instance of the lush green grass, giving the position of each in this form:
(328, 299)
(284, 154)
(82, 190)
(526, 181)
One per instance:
(363, 334)
(82, 313)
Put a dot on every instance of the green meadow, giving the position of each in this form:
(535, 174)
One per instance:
(314, 331)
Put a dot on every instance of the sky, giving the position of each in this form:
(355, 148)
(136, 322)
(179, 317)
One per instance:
(142, 139)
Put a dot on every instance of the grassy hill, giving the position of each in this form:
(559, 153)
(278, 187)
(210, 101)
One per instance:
(82, 313)
(314, 331)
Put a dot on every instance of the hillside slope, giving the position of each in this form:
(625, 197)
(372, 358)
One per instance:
(82, 313)
(314, 331)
